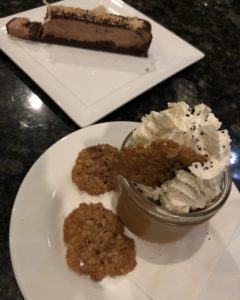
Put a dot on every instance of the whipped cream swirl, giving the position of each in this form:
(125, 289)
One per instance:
(184, 192)
(197, 128)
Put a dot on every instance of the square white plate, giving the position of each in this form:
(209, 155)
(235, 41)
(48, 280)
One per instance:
(89, 84)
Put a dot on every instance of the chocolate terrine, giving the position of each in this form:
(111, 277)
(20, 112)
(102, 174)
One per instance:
(93, 29)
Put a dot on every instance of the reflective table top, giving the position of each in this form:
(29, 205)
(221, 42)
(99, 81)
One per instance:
(30, 121)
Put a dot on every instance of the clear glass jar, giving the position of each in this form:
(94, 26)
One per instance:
(151, 222)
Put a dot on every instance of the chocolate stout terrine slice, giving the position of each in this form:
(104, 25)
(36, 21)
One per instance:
(94, 29)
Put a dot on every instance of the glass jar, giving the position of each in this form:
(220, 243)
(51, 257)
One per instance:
(151, 222)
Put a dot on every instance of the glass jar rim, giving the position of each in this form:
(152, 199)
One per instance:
(171, 217)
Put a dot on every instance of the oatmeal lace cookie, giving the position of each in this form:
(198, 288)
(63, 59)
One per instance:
(94, 170)
(96, 245)
(156, 163)
(97, 167)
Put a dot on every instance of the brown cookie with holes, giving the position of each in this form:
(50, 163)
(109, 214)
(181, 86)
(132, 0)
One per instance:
(97, 167)
(96, 245)
(94, 170)
(156, 163)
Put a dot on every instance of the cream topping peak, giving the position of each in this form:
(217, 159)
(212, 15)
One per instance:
(197, 128)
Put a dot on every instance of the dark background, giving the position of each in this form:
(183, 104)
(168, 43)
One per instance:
(212, 26)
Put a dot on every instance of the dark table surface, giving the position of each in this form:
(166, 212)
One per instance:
(210, 25)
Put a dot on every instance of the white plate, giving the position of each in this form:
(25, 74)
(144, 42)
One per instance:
(45, 197)
(86, 84)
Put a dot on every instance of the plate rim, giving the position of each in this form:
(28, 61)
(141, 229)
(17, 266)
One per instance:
(21, 186)
(129, 124)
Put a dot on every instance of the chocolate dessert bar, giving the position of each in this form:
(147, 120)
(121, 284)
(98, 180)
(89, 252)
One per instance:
(94, 29)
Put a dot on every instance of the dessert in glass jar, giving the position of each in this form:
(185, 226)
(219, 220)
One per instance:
(194, 194)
